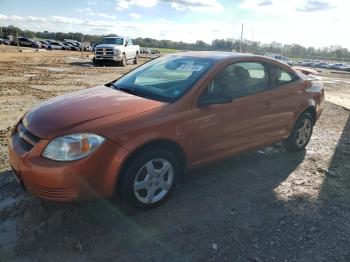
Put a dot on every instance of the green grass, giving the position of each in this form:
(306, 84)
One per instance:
(168, 50)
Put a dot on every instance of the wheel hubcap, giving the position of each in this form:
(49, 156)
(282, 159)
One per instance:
(153, 181)
(303, 133)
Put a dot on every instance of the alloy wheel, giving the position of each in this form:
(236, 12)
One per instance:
(153, 181)
(303, 132)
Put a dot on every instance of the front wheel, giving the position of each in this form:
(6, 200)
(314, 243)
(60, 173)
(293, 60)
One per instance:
(150, 179)
(95, 62)
(301, 133)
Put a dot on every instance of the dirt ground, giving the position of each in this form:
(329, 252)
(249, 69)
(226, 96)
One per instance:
(266, 205)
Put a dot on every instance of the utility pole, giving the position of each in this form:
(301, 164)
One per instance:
(240, 44)
(82, 46)
(17, 40)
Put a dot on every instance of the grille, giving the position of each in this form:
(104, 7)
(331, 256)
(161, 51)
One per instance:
(53, 193)
(104, 51)
(23, 143)
(28, 134)
(25, 138)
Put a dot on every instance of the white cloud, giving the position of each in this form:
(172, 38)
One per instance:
(89, 12)
(287, 21)
(125, 4)
(197, 5)
(64, 20)
(179, 5)
(135, 16)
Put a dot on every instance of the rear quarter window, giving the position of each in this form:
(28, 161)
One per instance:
(283, 77)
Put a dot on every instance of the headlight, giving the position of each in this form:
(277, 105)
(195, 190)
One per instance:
(117, 51)
(72, 147)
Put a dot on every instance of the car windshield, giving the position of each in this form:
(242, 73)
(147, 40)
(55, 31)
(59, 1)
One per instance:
(166, 78)
(113, 41)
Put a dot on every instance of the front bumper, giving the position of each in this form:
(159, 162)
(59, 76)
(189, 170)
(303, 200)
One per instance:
(116, 58)
(91, 177)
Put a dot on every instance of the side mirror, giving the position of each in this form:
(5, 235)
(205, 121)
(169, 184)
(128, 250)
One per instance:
(216, 97)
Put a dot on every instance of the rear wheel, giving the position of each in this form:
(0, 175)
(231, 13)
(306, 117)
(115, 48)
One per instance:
(301, 133)
(136, 59)
(150, 179)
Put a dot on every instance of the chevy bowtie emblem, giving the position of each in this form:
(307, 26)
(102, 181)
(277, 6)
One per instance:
(104, 51)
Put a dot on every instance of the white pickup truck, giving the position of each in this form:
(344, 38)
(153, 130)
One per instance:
(118, 49)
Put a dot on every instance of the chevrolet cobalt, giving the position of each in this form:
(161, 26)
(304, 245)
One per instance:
(137, 135)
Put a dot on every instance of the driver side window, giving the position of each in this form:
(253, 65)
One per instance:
(240, 79)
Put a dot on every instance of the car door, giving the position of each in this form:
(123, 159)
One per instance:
(22, 42)
(129, 48)
(245, 123)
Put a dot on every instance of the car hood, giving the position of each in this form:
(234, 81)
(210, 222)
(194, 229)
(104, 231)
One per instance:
(109, 46)
(84, 111)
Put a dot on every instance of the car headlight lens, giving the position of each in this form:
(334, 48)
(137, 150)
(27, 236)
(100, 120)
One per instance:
(72, 147)
(117, 51)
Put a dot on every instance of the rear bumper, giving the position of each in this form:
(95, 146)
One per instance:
(91, 177)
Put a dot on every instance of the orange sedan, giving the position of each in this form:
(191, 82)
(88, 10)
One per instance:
(137, 135)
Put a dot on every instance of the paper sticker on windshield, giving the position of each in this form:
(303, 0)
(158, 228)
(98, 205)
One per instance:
(190, 68)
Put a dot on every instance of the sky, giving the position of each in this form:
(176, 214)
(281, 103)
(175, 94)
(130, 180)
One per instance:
(315, 23)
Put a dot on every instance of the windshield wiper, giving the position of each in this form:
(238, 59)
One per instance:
(140, 93)
(130, 91)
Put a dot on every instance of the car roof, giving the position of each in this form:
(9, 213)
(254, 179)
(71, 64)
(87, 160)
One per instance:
(220, 55)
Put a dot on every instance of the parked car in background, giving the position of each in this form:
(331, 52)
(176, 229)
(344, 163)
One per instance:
(155, 51)
(322, 65)
(340, 67)
(281, 58)
(116, 49)
(93, 47)
(44, 44)
(23, 41)
(4, 41)
(75, 43)
(137, 135)
(306, 63)
(52, 45)
(70, 46)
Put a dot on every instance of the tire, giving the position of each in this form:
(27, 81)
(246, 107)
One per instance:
(136, 59)
(96, 63)
(123, 62)
(144, 185)
(301, 133)
(33, 46)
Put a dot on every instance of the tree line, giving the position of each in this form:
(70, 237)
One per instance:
(334, 52)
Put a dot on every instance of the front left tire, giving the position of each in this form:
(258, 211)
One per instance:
(150, 179)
